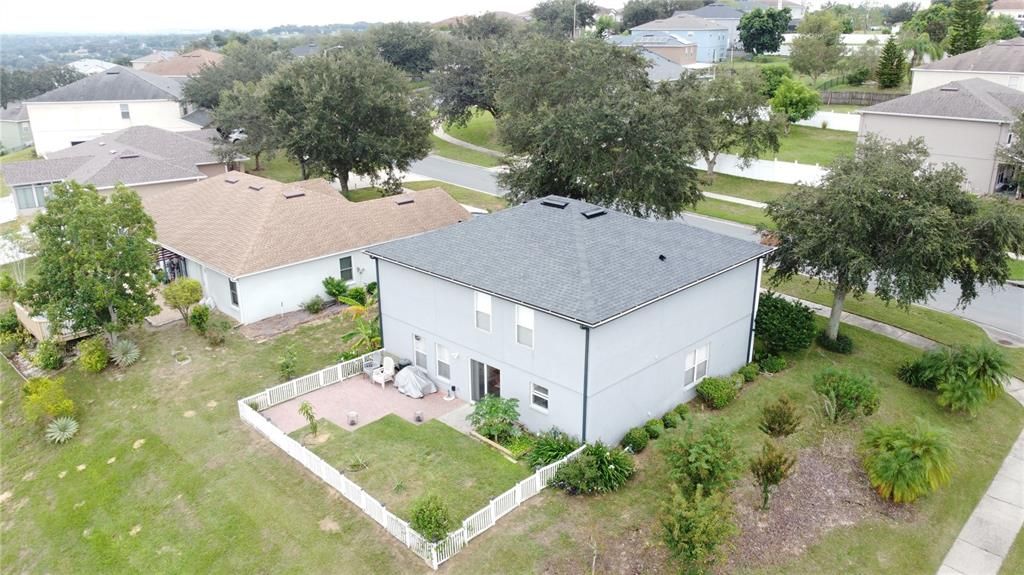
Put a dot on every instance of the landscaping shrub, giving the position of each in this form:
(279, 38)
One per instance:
(9, 321)
(654, 428)
(695, 526)
(314, 304)
(770, 468)
(92, 354)
(749, 372)
(125, 353)
(217, 330)
(635, 440)
(970, 375)
(904, 464)
(858, 76)
(182, 294)
(709, 459)
(845, 395)
(495, 417)
(841, 344)
(46, 399)
(49, 354)
(549, 447)
(307, 413)
(430, 518)
(10, 343)
(288, 363)
(717, 392)
(199, 318)
(8, 286)
(61, 430)
(780, 418)
(682, 410)
(357, 294)
(782, 325)
(597, 469)
(520, 445)
(335, 287)
(772, 363)
(925, 371)
(371, 288)
(670, 420)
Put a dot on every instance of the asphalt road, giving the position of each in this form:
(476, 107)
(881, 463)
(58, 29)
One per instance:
(998, 308)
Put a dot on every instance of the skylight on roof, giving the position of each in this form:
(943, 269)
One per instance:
(594, 212)
(129, 156)
(560, 204)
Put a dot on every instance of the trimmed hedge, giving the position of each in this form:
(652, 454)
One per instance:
(783, 325)
(717, 392)
(635, 440)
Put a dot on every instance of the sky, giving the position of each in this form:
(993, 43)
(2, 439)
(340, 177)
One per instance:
(132, 16)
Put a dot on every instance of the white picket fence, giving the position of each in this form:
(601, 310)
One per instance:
(434, 554)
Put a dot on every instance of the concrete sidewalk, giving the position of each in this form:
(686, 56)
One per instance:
(440, 133)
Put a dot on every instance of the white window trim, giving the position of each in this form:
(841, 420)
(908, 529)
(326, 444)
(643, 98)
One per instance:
(476, 310)
(546, 396)
(415, 350)
(438, 362)
(707, 361)
(351, 269)
(238, 296)
(533, 330)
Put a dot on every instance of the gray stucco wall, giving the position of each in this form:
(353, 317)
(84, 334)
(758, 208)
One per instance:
(215, 287)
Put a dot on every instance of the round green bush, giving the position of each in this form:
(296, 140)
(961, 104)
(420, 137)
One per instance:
(846, 395)
(783, 325)
(92, 354)
(749, 372)
(635, 440)
(841, 344)
(654, 428)
(772, 363)
(430, 518)
(9, 321)
(717, 392)
(682, 410)
(49, 354)
(10, 343)
(671, 420)
(199, 318)
(597, 469)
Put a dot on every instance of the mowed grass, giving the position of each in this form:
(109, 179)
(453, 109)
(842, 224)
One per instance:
(480, 130)
(942, 327)
(813, 146)
(452, 151)
(405, 461)
(21, 155)
(1013, 564)
(748, 215)
(757, 190)
(1017, 270)
(460, 194)
(281, 168)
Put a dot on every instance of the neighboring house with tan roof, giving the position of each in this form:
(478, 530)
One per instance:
(962, 123)
(1002, 63)
(143, 158)
(261, 247)
(106, 102)
(153, 57)
(185, 65)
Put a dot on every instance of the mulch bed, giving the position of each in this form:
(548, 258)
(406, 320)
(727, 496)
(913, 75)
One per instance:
(828, 489)
(271, 327)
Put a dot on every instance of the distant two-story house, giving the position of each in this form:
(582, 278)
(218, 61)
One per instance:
(725, 15)
(594, 320)
(112, 100)
(711, 38)
(1001, 63)
(667, 56)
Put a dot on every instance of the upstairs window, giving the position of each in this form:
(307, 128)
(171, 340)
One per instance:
(524, 326)
(482, 304)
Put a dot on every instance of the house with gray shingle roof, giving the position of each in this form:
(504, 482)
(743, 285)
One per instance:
(1002, 63)
(594, 320)
(961, 123)
(106, 102)
(667, 56)
(142, 157)
(711, 38)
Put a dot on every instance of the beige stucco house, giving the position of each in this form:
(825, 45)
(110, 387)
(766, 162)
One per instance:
(961, 123)
(1001, 63)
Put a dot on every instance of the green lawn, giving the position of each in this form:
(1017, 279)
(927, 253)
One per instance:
(813, 146)
(734, 212)
(19, 156)
(757, 190)
(480, 130)
(1017, 270)
(942, 327)
(405, 461)
(363, 194)
(454, 152)
(1014, 562)
(281, 168)
(460, 194)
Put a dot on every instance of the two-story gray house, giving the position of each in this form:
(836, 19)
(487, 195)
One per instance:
(593, 319)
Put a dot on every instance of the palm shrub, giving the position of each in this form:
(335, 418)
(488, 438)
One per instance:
(597, 469)
(654, 428)
(782, 325)
(973, 375)
(780, 418)
(717, 392)
(307, 413)
(430, 518)
(199, 318)
(927, 370)
(769, 469)
(49, 354)
(93, 355)
(61, 430)
(845, 395)
(46, 399)
(709, 459)
(903, 464)
(125, 353)
(495, 417)
(696, 526)
(635, 440)
(549, 447)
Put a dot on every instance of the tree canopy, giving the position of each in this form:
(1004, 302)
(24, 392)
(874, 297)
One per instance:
(818, 48)
(348, 111)
(408, 45)
(885, 217)
(246, 63)
(461, 80)
(933, 21)
(581, 120)
(795, 100)
(999, 27)
(564, 17)
(244, 107)
(18, 85)
(95, 261)
(761, 29)
(966, 21)
(892, 64)
(487, 26)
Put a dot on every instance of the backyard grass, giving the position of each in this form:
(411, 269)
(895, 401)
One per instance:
(281, 168)
(405, 461)
(19, 156)
(455, 152)
(1017, 270)
(479, 130)
(942, 327)
(460, 194)
(757, 190)
(363, 194)
(748, 215)
(1013, 564)
(813, 146)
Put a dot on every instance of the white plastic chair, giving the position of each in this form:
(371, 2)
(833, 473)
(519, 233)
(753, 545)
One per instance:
(385, 373)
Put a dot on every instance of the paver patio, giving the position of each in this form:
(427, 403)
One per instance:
(366, 398)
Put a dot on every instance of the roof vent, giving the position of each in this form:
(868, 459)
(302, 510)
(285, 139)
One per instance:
(129, 156)
(662, 257)
(293, 194)
(256, 188)
(950, 89)
(231, 180)
(103, 143)
(560, 204)
(113, 71)
(404, 200)
(591, 214)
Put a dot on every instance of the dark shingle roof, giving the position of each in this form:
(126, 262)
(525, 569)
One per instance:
(1005, 56)
(974, 99)
(680, 21)
(715, 12)
(116, 84)
(137, 155)
(200, 117)
(14, 112)
(559, 261)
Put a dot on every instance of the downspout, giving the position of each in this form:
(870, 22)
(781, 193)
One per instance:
(753, 311)
(380, 305)
(586, 374)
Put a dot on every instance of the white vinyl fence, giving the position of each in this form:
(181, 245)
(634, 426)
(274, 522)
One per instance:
(433, 553)
(842, 121)
(767, 170)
